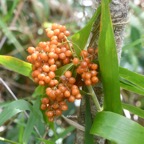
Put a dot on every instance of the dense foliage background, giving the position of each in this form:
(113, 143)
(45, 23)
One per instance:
(22, 24)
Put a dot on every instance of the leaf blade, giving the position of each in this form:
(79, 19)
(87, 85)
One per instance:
(108, 61)
(16, 65)
(14, 108)
(80, 38)
(117, 128)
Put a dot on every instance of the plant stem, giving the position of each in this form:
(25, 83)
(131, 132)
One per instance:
(94, 97)
(6, 140)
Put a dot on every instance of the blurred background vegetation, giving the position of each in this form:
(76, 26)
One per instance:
(23, 23)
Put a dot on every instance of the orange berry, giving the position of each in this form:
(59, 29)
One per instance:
(71, 99)
(35, 73)
(42, 44)
(58, 50)
(67, 33)
(56, 31)
(94, 66)
(45, 100)
(51, 54)
(43, 107)
(37, 64)
(84, 64)
(84, 53)
(63, 49)
(58, 112)
(67, 93)
(44, 56)
(41, 76)
(62, 56)
(91, 50)
(54, 37)
(57, 92)
(68, 53)
(68, 74)
(66, 60)
(51, 61)
(64, 107)
(51, 74)
(50, 33)
(72, 80)
(41, 82)
(53, 68)
(61, 36)
(93, 73)
(47, 79)
(31, 50)
(88, 82)
(29, 58)
(75, 91)
(94, 79)
(75, 61)
(87, 75)
(78, 96)
(54, 26)
(55, 106)
(49, 113)
(34, 56)
(45, 68)
(62, 28)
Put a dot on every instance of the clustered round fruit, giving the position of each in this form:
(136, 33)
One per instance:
(47, 57)
(87, 69)
(66, 90)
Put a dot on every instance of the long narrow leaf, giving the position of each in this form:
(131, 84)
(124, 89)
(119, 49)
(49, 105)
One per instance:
(34, 116)
(12, 109)
(117, 128)
(16, 65)
(132, 77)
(130, 87)
(108, 62)
(12, 38)
(80, 38)
(134, 110)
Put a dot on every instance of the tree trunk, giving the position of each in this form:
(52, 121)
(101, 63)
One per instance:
(119, 13)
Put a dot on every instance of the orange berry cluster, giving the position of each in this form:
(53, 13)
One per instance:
(58, 95)
(86, 68)
(50, 55)
(47, 57)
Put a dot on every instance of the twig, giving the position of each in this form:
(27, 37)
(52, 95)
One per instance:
(93, 95)
(14, 97)
(73, 123)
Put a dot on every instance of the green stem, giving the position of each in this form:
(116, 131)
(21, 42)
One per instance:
(6, 140)
(94, 97)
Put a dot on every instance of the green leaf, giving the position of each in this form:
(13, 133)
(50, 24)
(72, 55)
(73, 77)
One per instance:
(14, 108)
(16, 65)
(63, 69)
(130, 87)
(89, 139)
(39, 91)
(133, 78)
(12, 38)
(134, 110)
(117, 128)
(33, 118)
(80, 38)
(108, 61)
(61, 135)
